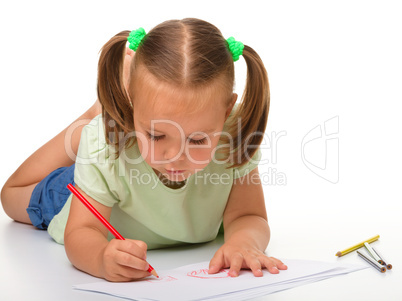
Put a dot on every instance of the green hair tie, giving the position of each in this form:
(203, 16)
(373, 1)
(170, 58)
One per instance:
(235, 48)
(135, 37)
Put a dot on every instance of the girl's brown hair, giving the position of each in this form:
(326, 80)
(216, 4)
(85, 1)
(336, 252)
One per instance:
(188, 53)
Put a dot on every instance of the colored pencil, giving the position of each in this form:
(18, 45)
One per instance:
(372, 262)
(357, 246)
(388, 265)
(373, 253)
(103, 220)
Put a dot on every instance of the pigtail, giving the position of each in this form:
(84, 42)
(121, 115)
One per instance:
(117, 110)
(250, 119)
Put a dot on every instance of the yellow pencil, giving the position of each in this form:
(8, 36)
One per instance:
(357, 246)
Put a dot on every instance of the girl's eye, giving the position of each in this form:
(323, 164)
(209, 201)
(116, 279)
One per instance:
(155, 138)
(197, 142)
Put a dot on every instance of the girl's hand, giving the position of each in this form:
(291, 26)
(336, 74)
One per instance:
(236, 257)
(124, 260)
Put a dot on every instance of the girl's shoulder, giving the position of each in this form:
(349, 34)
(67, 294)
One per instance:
(93, 142)
(95, 128)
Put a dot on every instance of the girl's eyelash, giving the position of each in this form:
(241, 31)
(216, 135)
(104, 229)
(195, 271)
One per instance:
(197, 142)
(157, 138)
(154, 138)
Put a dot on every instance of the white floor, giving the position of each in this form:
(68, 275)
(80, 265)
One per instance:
(33, 267)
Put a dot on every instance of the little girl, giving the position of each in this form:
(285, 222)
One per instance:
(165, 155)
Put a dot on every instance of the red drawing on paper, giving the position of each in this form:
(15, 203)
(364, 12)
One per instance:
(162, 279)
(203, 274)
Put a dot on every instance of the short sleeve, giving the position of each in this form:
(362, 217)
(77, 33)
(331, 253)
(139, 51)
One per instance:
(243, 170)
(93, 167)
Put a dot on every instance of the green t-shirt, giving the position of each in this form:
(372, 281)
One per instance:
(143, 207)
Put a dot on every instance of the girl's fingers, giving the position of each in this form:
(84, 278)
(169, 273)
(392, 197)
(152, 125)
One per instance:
(273, 265)
(216, 263)
(236, 260)
(132, 274)
(136, 248)
(280, 264)
(130, 253)
(236, 263)
(255, 266)
(130, 261)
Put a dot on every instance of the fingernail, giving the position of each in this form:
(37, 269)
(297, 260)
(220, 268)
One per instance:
(212, 269)
(234, 274)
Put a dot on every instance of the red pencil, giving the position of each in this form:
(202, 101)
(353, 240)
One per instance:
(103, 220)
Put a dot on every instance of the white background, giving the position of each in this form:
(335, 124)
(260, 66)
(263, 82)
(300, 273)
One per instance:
(338, 60)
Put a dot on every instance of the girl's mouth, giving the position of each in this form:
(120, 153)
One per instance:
(174, 172)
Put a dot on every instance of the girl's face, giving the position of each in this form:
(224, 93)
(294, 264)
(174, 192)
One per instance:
(174, 140)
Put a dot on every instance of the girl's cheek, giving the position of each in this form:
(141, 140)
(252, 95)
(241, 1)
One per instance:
(154, 155)
(199, 156)
(147, 152)
(202, 155)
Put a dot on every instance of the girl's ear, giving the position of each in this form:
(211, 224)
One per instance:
(129, 52)
(126, 67)
(231, 104)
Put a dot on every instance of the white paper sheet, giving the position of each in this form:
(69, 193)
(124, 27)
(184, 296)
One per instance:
(192, 282)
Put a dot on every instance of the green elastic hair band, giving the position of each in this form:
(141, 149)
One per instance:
(235, 48)
(135, 37)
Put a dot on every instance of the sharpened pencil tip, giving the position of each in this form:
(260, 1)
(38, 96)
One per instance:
(155, 273)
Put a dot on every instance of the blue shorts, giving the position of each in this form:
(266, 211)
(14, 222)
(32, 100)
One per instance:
(49, 196)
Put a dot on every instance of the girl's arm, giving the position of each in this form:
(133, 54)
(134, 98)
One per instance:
(88, 249)
(246, 230)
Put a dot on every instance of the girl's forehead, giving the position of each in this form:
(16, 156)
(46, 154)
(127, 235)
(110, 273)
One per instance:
(169, 110)
(160, 99)
(168, 113)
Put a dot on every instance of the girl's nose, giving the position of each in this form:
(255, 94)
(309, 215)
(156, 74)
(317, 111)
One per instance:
(174, 152)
